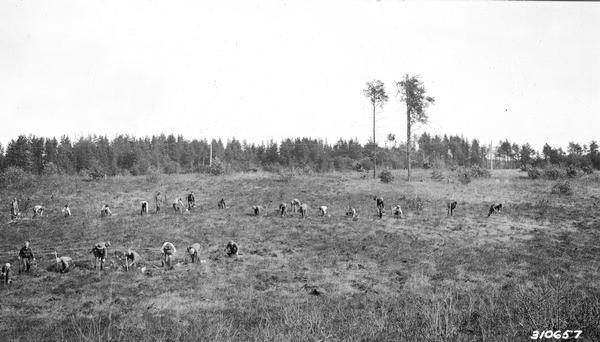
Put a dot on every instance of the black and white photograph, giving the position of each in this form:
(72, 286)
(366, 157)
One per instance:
(299, 170)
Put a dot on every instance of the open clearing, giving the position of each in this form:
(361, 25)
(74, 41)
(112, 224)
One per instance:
(425, 277)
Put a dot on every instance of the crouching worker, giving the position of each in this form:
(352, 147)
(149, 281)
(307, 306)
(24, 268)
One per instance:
(231, 249)
(105, 211)
(168, 250)
(66, 210)
(193, 251)
(6, 273)
(63, 263)
(131, 259)
(494, 209)
(178, 206)
(25, 257)
(144, 208)
(38, 210)
(397, 211)
(100, 250)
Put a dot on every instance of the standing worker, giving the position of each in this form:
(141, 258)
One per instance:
(14, 209)
(191, 200)
(25, 257)
(157, 201)
(6, 273)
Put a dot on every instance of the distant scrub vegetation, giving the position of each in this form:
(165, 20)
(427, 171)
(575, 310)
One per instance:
(97, 156)
(386, 176)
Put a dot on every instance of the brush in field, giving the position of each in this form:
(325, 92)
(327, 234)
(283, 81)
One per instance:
(419, 204)
(312, 290)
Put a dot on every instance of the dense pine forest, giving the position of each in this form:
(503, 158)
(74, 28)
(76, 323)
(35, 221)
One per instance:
(95, 155)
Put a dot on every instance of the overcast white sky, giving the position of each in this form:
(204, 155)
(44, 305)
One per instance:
(256, 70)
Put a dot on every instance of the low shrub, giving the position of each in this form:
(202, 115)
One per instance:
(273, 168)
(343, 163)
(562, 188)
(386, 176)
(553, 173)
(479, 172)
(15, 178)
(366, 164)
(153, 177)
(571, 171)
(464, 177)
(217, 167)
(171, 167)
(534, 173)
(588, 170)
(437, 175)
(97, 174)
(50, 169)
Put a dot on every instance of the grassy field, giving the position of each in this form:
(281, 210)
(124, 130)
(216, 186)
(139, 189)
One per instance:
(426, 277)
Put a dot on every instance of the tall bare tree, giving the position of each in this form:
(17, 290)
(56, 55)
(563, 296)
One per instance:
(375, 92)
(412, 91)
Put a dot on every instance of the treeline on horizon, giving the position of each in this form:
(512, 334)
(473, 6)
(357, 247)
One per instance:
(174, 154)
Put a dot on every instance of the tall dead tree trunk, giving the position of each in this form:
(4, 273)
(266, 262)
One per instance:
(408, 141)
(374, 145)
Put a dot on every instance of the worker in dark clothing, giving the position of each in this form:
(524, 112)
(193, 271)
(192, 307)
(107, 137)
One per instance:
(191, 201)
(231, 249)
(26, 257)
(5, 273)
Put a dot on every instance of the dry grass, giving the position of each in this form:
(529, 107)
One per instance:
(426, 277)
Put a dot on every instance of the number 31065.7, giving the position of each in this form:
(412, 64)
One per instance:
(555, 334)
